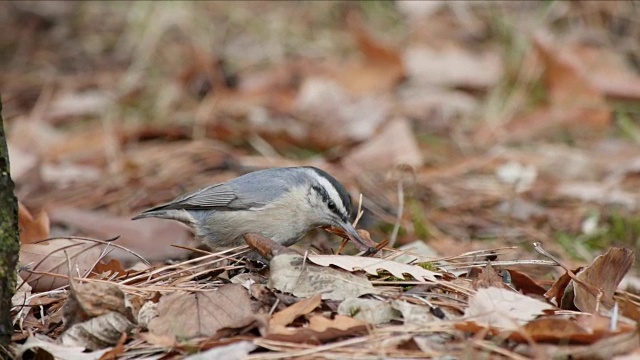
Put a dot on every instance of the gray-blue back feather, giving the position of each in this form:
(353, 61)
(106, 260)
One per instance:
(252, 190)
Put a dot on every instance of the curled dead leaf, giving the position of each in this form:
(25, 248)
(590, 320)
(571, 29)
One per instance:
(202, 314)
(32, 228)
(44, 264)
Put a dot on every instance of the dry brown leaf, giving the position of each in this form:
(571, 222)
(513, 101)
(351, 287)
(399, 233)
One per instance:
(288, 315)
(32, 229)
(49, 256)
(557, 290)
(584, 329)
(326, 108)
(113, 267)
(607, 348)
(604, 273)
(488, 277)
(372, 265)
(605, 69)
(554, 328)
(394, 145)
(503, 309)
(382, 68)
(574, 104)
(320, 330)
(98, 332)
(525, 284)
(202, 314)
(453, 67)
(91, 300)
(290, 274)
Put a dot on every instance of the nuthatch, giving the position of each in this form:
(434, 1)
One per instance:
(280, 203)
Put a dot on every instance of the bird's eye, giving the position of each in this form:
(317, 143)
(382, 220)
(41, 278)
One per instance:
(331, 205)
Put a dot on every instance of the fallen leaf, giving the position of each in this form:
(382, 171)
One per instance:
(605, 273)
(288, 315)
(289, 274)
(319, 330)
(488, 277)
(97, 333)
(91, 300)
(382, 67)
(525, 284)
(23, 291)
(45, 348)
(394, 145)
(32, 229)
(202, 314)
(573, 103)
(326, 108)
(113, 267)
(414, 314)
(503, 309)
(557, 291)
(372, 265)
(49, 257)
(369, 310)
(605, 69)
(453, 67)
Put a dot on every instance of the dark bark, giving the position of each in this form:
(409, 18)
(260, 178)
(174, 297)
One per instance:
(9, 243)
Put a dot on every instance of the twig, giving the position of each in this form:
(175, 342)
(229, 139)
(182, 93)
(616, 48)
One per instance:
(396, 226)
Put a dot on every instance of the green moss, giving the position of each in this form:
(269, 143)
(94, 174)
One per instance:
(428, 266)
(616, 229)
(418, 218)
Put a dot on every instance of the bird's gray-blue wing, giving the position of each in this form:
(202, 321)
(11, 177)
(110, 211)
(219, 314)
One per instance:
(258, 189)
(253, 190)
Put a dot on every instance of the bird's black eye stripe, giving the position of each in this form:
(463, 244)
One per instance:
(330, 203)
(322, 193)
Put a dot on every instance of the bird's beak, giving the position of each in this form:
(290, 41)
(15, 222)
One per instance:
(357, 240)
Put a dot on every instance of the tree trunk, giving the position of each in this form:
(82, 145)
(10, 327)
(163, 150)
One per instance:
(9, 243)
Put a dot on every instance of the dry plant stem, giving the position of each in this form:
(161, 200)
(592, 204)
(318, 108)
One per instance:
(477, 253)
(46, 257)
(396, 226)
(591, 289)
(175, 266)
(191, 268)
(312, 350)
(360, 211)
(466, 265)
(133, 289)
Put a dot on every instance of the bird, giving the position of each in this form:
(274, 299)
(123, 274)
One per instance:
(282, 204)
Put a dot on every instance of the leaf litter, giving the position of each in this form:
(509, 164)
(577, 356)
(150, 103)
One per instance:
(510, 137)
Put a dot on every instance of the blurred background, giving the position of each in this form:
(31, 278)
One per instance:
(464, 125)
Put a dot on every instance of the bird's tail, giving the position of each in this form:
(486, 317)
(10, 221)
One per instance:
(171, 214)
